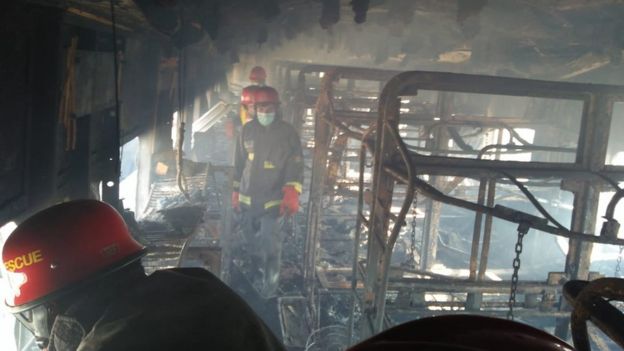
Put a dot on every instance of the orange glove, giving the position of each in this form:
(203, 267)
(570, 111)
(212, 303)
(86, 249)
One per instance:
(290, 202)
(235, 202)
(230, 129)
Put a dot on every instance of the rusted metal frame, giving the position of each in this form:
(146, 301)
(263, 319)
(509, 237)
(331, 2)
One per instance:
(389, 128)
(421, 313)
(409, 83)
(382, 187)
(590, 302)
(325, 124)
(494, 124)
(502, 86)
(369, 199)
(356, 240)
(521, 148)
(610, 212)
(487, 231)
(382, 143)
(344, 72)
(596, 123)
(476, 232)
(335, 159)
(430, 233)
(345, 129)
(467, 286)
(498, 211)
(487, 306)
(433, 209)
(452, 153)
(426, 119)
(490, 186)
(323, 132)
(349, 103)
(491, 168)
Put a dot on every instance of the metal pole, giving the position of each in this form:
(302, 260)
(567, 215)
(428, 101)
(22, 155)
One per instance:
(356, 240)
(591, 154)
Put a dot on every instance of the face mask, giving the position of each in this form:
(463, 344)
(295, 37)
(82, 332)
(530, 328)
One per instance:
(265, 118)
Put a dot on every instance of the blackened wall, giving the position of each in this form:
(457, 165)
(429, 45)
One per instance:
(29, 90)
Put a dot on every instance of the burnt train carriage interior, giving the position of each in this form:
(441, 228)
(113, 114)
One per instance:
(461, 156)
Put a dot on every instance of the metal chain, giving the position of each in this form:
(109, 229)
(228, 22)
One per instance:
(411, 258)
(619, 263)
(523, 229)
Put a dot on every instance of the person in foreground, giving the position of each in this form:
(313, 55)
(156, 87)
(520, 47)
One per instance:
(77, 283)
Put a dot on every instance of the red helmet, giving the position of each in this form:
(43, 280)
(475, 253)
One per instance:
(266, 95)
(54, 250)
(247, 95)
(463, 332)
(257, 74)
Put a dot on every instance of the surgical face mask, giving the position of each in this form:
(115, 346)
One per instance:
(265, 118)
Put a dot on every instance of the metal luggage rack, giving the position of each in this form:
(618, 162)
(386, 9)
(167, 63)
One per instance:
(400, 167)
(395, 164)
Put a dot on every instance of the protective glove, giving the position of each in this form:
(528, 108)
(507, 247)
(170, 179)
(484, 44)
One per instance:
(230, 129)
(235, 202)
(290, 202)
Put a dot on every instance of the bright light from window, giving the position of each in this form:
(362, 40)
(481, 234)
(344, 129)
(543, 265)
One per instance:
(527, 134)
(618, 159)
(7, 229)
(7, 321)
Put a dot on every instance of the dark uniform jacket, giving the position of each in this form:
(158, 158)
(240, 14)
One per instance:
(267, 159)
(174, 309)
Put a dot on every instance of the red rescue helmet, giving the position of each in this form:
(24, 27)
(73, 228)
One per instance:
(247, 95)
(463, 332)
(266, 95)
(62, 247)
(257, 74)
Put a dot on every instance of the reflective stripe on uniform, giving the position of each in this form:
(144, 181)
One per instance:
(268, 165)
(244, 199)
(272, 204)
(295, 185)
(250, 156)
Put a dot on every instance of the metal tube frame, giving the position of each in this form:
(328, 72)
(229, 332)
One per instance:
(391, 158)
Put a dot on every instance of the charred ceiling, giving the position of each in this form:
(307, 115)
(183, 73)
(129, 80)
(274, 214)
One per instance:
(509, 37)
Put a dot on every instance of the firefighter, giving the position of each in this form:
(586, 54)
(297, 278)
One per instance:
(247, 111)
(76, 282)
(268, 171)
(257, 77)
